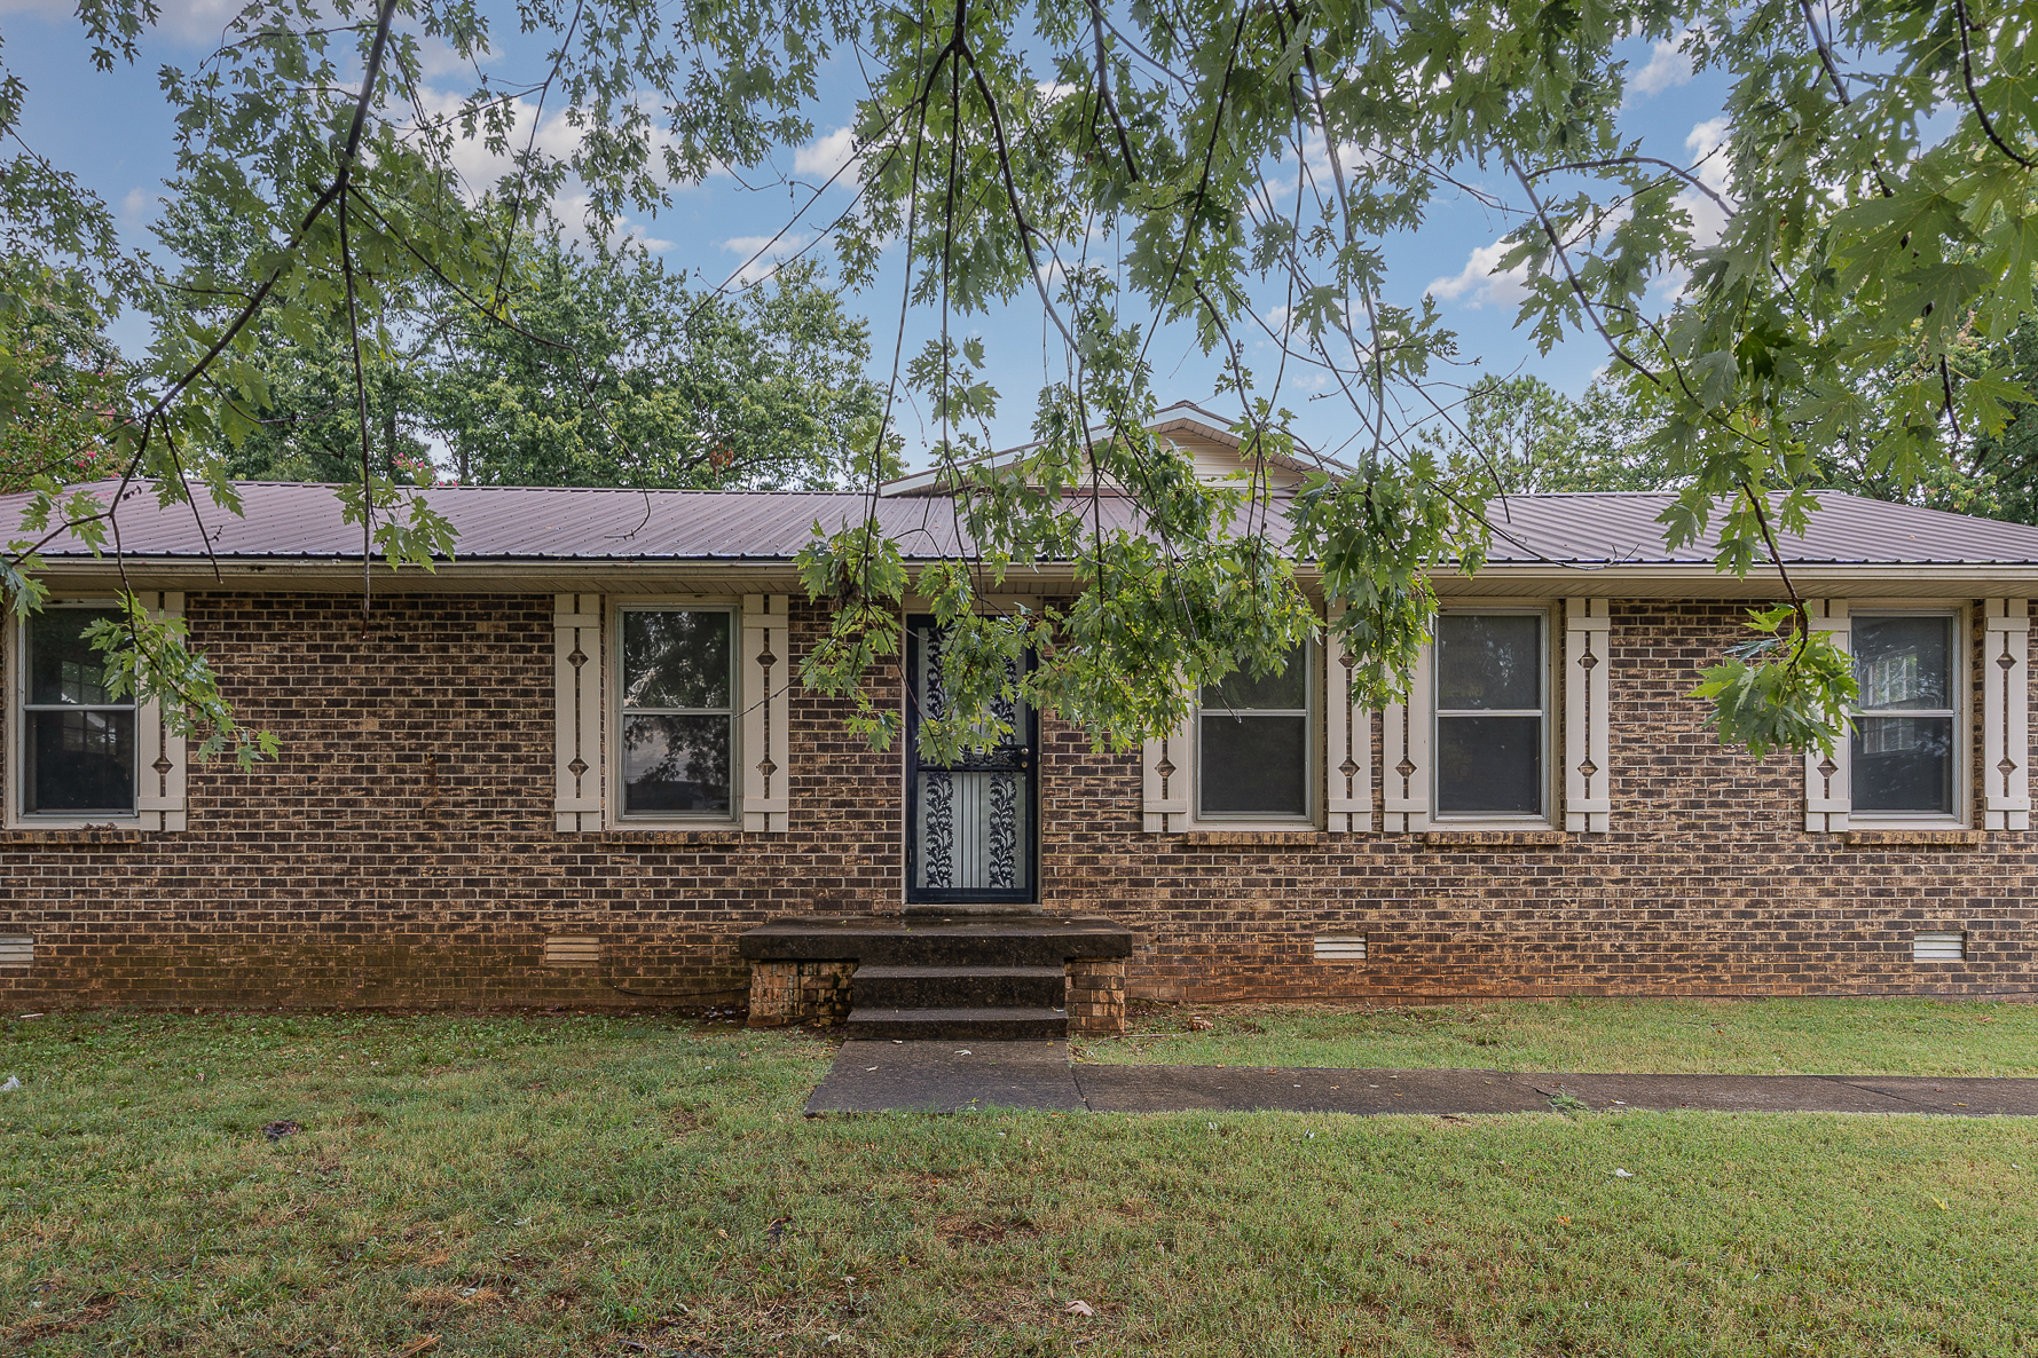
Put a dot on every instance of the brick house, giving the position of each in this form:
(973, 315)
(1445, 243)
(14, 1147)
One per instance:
(574, 767)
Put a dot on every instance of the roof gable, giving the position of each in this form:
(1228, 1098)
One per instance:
(1199, 433)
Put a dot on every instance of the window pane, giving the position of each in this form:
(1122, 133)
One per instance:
(62, 666)
(1489, 766)
(678, 658)
(1254, 765)
(80, 761)
(676, 764)
(1240, 691)
(1489, 660)
(1903, 662)
(1904, 764)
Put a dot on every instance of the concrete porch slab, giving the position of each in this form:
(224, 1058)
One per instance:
(947, 1077)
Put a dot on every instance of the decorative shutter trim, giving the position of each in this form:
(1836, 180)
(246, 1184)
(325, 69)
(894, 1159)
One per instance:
(1588, 805)
(766, 698)
(577, 694)
(2006, 714)
(1828, 780)
(159, 773)
(1167, 772)
(1348, 747)
(1405, 781)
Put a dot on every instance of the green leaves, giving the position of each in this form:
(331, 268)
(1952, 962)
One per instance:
(859, 571)
(1835, 277)
(1377, 537)
(1786, 688)
(149, 658)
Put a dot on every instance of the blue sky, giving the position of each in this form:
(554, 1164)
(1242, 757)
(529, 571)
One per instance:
(113, 130)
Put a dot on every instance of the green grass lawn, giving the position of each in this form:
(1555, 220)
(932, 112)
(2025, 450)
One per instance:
(1726, 1037)
(590, 1186)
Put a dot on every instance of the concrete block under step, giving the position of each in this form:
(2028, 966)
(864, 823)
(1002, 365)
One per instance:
(987, 1023)
(880, 986)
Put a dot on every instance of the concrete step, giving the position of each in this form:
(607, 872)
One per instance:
(882, 986)
(986, 1023)
(1018, 939)
(1000, 949)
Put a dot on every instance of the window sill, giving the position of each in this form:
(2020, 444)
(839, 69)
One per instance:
(1285, 835)
(663, 832)
(77, 832)
(1494, 838)
(1933, 837)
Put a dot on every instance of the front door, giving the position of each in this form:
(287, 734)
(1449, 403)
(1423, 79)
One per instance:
(971, 831)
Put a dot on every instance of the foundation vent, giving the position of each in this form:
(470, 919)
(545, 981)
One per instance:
(1340, 947)
(572, 951)
(1939, 947)
(17, 950)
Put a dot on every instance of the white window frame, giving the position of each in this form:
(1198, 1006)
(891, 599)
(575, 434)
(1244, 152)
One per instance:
(1959, 681)
(159, 784)
(1312, 744)
(19, 708)
(1463, 820)
(615, 713)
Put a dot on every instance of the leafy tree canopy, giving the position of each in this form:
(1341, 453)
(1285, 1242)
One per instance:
(605, 370)
(1844, 271)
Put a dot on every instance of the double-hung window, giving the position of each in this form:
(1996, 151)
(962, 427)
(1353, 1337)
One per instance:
(677, 713)
(1492, 734)
(1906, 739)
(77, 740)
(1256, 745)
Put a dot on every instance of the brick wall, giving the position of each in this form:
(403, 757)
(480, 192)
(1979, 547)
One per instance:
(1706, 884)
(401, 852)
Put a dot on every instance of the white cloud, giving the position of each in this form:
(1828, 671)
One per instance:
(826, 155)
(762, 255)
(1667, 68)
(1352, 158)
(1707, 146)
(436, 57)
(136, 207)
(479, 166)
(189, 22)
(1477, 284)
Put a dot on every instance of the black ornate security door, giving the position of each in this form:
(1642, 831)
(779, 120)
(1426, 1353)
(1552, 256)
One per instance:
(971, 831)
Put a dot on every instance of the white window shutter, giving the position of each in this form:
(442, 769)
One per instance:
(159, 783)
(766, 698)
(577, 724)
(1405, 779)
(1348, 747)
(1167, 774)
(2006, 715)
(1588, 805)
(1828, 780)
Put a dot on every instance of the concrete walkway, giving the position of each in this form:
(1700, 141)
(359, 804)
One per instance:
(947, 1077)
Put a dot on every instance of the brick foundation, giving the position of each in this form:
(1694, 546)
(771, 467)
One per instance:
(402, 852)
(1096, 996)
(786, 993)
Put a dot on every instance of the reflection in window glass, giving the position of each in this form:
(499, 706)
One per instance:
(1490, 715)
(677, 742)
(1904, 752)
(77, 739)
(1253, 744)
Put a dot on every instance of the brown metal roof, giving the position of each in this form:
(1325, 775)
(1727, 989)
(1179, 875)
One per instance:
(301, 522)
